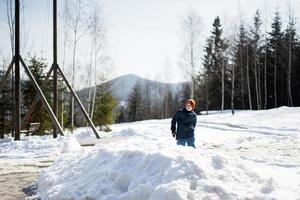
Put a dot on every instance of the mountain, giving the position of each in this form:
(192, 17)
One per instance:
(122, 86)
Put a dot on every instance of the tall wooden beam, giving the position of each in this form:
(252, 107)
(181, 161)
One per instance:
(17, 119)
(55, 89)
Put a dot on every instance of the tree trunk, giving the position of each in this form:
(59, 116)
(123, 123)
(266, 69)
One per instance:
(207, 94)
(242, 79)
(90, 86)
(275, 78)
(63, 67)
(193, 71)
(93, 102)
(248, 79)
(290, 99)
(232, 89)
(95, 68)
(259, 86)
(223, 83)
(265, 80)
(73, 79)
(256, 79)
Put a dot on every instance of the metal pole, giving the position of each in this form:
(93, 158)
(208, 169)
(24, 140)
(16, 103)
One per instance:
(17, 71)
(79, 102)
(43, 98)
(55, 89)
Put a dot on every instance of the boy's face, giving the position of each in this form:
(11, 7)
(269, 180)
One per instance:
(188, 107)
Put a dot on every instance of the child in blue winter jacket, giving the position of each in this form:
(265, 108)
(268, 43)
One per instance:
(186, 120)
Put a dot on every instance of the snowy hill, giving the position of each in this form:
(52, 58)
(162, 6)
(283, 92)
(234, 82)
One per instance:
(252, 155)
(122, 86)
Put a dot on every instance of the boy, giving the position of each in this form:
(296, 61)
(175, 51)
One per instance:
(186, 120)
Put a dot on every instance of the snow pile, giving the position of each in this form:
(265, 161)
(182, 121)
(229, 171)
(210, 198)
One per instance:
(83, 133)
(135, 174)
(136, 170)
(72, 145)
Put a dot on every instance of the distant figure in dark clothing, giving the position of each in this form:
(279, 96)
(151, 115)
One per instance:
(186, 120)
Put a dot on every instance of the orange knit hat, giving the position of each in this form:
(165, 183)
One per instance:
(192, 102)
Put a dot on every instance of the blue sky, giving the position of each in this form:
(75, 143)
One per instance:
(143, 35)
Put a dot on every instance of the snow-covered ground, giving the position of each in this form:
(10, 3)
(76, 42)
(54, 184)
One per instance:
(251, 155)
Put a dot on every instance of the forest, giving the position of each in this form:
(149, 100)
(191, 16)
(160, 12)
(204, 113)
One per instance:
(253, 66)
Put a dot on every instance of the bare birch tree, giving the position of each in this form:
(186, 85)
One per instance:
(97, 33)
(191, 29)
(65, 33)
(75, 11)
(10, 23)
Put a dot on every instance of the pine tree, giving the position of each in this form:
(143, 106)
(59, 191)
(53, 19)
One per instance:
(147, 102)
(275, 46)
(104, 107)
(5, 106)
(185, 93)
(37, 67)
(121, 115)
(255, 41)
(290, 45)
(240, 63)
(135, 103)
(295, 78)
(168, 102)
(216, 67)
(208, 62)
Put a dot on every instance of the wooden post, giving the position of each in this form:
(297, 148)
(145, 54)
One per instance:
(17, 117)
(55, 90)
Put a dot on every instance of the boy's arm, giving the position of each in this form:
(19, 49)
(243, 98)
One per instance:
(195, 121)
(173, 122)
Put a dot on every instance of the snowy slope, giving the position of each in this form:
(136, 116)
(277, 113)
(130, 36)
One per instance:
(252, 155)
(122, 86)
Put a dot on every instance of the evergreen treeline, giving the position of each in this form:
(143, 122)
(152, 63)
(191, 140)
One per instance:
(141, 106)
(253, 71)
(5, 106)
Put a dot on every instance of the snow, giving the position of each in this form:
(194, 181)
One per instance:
(30, 154)
(251, 155)
(71, 145)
